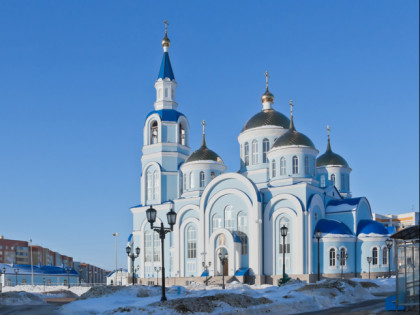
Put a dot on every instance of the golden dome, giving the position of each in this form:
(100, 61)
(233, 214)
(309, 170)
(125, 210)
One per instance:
(267, 97)
(166, 42)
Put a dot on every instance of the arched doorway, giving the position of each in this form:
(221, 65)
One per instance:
(220, 269)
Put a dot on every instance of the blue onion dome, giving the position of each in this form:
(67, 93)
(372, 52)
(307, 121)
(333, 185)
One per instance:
(292, 137)
(204, 154)
(330, 158)
(370, 226)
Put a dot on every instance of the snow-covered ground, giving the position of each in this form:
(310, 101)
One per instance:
(294, 297)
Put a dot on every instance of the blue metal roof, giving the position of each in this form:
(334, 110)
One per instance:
(167, 114)
(205, 273)
(166, 68)
(332, 227)
(130, 238)
(370, 226)
(236, 237)
(349, 201)
(46, 270)
(242, 272)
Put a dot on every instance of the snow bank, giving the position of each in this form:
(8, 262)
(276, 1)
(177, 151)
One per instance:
(40, 289)
(19, 298)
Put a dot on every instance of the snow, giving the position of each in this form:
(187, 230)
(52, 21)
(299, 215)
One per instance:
(294, 297)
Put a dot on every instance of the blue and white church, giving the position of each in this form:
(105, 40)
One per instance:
(282, 181)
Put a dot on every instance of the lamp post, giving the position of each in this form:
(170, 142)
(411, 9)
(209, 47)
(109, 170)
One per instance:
(90, 277)
(43, 281)
(157, 270)
(16, 272)
(369, 260)
(318, 235)
(68, 269)
(32, 265)
(283, 232)
(206, 268)
(116, 237)
(2, 278)
(80, 276)
(342, 258)
(223, 259)
(132, 256)
(388, 243)
(171, 217)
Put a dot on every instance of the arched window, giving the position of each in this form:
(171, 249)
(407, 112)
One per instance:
(307, 165)
(241, 154)
(333, 179)
(322, 180)
(285, 222)
(155, 185)
(266, 147)
(282, 166)
(229, 219)
(212, 175)
(384, 256)
(246, 152)
(148, 246)
(273, 168)
(184, 181)
(201, 179)
(191, 242)
(166, 92)
(216, 222)
(149, 185)
(181, 134)
(348, 183)
(254, 152)
(313, 166)
(242, 230)
(173, 94)
(343, 183)
(343, 259)
(192, 180)
(332, 257)
(374, 256)
(156, 247)
(295, 165)
(154, 132)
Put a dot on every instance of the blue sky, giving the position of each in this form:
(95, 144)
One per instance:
(76, 82)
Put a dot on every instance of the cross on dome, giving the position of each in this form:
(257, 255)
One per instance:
(328, 130)
(266, 79)
(166, 26)
(204, 126)
(291, 107)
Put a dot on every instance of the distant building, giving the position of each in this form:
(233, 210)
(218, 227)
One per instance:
(90, 274)
(120, 277)
(397, 222)
(20, 274)
(13, 251)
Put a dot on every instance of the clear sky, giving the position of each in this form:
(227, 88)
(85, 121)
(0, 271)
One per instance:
(76, 82)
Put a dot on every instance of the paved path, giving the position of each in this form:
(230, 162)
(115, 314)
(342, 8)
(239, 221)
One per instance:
(50, 309)
(366, 307)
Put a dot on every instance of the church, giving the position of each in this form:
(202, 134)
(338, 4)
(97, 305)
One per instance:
(283, 182)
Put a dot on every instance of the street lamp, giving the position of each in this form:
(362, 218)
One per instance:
(223, 259)
(318, 235)
(116, 237)
(16, 272)
(342, 258)
(43, 281)
(2, 273)
(157, 270)
(132, 256)
(388, 243)
(171, 217)
(68, 269)
(80, 276)
(369, 260)
(283, 232)
(206, 268)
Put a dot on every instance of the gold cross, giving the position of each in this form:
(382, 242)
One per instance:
(266, 79)
(291, 107)
(328, 129)
(204, 126)
(166, 26)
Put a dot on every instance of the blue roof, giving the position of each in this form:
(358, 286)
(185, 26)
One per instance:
(370, 226)
(130, 238)
(332, 227)
(47, 270)
(205, 273)
(166, 68)
(167, 114)
(242, 272)
(236, 237)
(349, 201)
